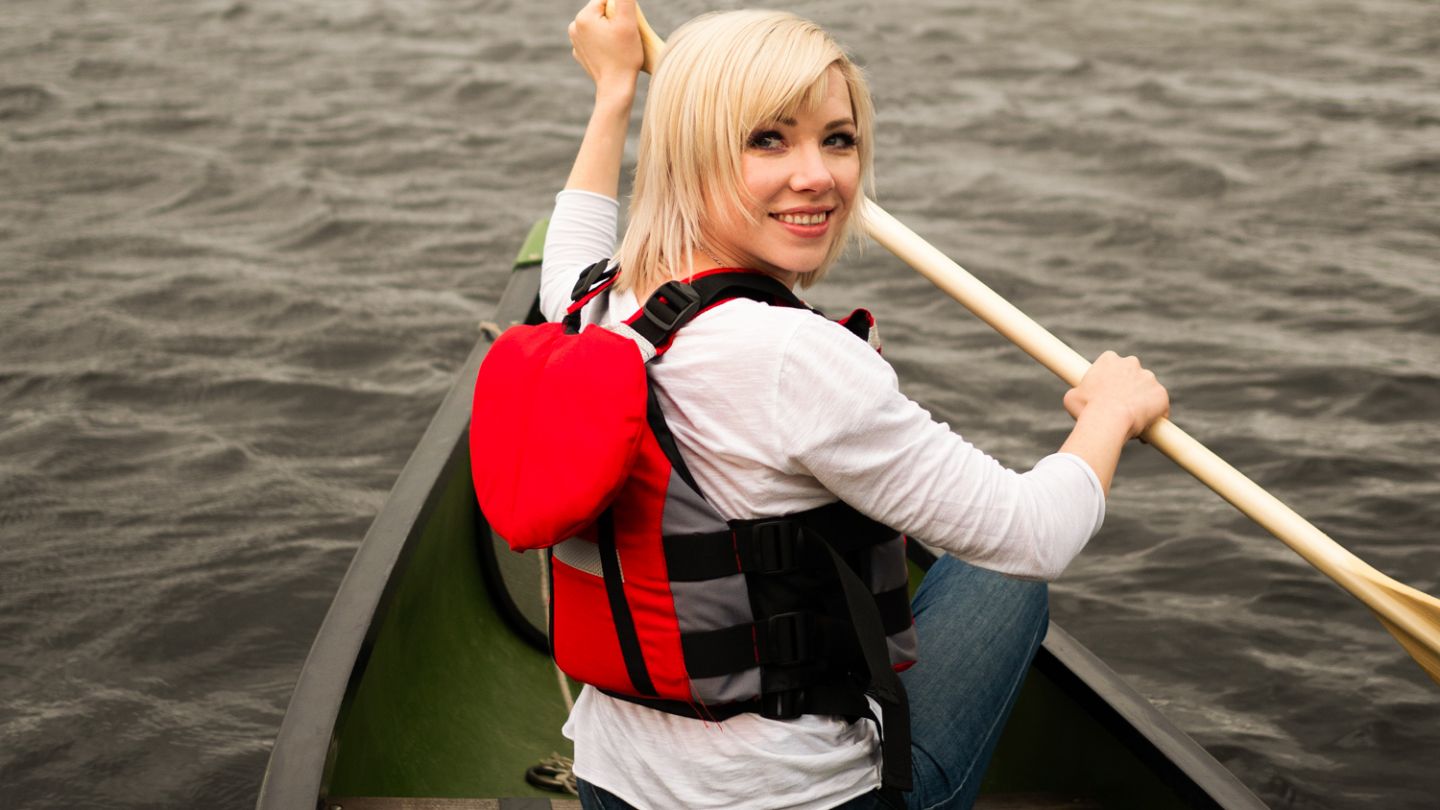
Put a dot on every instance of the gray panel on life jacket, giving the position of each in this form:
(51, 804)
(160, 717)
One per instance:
(581, 554)
(904, 645)
(712, 604)
(686, 512)
(727, 688)
(888, 570)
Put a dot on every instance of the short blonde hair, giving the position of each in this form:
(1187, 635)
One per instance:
(722, 75)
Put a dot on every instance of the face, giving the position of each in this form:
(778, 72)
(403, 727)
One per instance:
(803, 174)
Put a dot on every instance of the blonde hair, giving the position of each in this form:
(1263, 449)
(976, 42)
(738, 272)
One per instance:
(722, 75)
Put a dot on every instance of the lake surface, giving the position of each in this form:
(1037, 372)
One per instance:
(245, 246)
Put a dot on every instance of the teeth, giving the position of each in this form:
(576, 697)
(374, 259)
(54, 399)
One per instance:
(803, 219)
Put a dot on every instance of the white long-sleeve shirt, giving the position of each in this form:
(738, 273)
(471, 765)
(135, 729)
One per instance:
(776, 410)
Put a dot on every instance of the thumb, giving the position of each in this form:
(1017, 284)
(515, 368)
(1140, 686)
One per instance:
(620, 10)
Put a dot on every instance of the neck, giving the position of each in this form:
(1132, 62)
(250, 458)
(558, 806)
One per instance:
(702, 260)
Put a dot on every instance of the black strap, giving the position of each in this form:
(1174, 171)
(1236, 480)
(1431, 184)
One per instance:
(769, 545)
(675, 303)
(841, 697)
(755, 286)
(590, 276)
(666, 439)
(797, 638)
(885, 685)
(620, 607)
(598, 274)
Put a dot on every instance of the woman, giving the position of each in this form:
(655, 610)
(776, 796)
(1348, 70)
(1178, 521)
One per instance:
(755, 145)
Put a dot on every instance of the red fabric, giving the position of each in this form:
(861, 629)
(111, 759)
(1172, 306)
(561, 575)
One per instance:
(554, 431)
(639, 518)
(584, 640)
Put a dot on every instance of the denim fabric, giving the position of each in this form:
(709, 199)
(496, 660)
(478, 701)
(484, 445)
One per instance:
(594, 798)
(978, 632)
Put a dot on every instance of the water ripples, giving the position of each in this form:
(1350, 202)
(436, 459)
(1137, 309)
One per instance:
(247, 243)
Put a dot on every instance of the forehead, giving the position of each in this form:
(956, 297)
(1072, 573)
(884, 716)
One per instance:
(832, 105)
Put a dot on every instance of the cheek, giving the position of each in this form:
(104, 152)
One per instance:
(847, 177)
(762, 178)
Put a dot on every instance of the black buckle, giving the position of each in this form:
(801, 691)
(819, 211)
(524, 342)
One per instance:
(672, 305)
(590, 276)
(774, 546)
(789, 639)
(782, 705)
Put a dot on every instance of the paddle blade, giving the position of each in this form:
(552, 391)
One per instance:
(1424, 656)
(1411, 615)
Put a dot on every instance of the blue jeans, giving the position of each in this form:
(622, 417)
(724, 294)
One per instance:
(978, 632)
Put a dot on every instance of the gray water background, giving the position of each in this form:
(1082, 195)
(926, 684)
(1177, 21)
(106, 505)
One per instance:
(245, 244)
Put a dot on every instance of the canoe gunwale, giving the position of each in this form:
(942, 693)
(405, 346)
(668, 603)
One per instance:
(1181, 762)
(337, 656)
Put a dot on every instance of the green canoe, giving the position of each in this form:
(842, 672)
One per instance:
(427, 685)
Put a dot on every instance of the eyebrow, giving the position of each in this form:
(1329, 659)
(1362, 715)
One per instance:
(838, 122)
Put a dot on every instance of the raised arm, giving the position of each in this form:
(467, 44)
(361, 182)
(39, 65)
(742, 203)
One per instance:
(582, 227)
(609, 50)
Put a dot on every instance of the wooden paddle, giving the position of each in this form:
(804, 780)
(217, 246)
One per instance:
(1411, 615)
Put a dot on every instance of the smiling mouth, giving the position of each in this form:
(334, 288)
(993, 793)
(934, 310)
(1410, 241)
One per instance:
(803, 219)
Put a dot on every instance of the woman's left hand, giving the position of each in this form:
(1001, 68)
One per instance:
(608, 47)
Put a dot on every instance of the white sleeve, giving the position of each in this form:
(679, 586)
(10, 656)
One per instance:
(581, 232)
(842, 418)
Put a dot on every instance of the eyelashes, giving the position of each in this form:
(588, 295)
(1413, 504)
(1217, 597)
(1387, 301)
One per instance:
(772, 140)
(765, 139)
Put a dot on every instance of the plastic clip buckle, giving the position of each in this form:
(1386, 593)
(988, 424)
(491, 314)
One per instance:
(774, 546)
(790, 638)
(589, 277)
(671, 306)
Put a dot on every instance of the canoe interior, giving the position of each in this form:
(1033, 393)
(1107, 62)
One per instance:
(452, 702)
(426, 686)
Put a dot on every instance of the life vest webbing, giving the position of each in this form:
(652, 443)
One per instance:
(619, 607)
(666, 439)
(885, 685)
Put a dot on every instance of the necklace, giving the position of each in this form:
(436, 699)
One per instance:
(714, 258)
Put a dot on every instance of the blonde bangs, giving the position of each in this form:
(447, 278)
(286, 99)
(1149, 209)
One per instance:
(722, 76)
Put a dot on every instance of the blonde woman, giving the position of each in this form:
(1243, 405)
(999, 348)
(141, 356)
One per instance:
(754, 150)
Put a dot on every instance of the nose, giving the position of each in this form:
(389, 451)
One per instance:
(811, 171)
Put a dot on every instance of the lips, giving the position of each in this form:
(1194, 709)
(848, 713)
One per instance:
(803, 219)
(806, 223)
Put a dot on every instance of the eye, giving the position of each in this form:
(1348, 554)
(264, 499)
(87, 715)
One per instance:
(767, 139)
(841, 140)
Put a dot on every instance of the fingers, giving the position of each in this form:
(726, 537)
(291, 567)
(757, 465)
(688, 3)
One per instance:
(609, 49)
(1121, 385)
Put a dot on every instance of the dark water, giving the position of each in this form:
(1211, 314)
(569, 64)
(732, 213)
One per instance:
(244, 246)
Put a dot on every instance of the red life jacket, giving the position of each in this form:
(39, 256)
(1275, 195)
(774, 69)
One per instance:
(656, 598)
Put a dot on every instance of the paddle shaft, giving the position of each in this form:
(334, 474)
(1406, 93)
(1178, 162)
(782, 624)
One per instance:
(1381, 594)
(1412, 616)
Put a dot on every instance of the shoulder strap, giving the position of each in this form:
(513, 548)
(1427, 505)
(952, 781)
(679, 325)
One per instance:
(592, 281)
(676, 303)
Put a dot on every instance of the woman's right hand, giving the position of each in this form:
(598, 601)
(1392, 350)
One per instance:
(608, 47)
(1114, 402)
(1122, 387)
